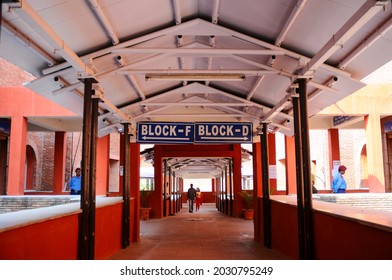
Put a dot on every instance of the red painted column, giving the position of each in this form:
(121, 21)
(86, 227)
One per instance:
(103, 161)
(59, 162)
(30, 159)
(157, 196)
(121, 161)
(237, 180)
(257, 188)
(135, 192)
(17, 157)
(272, 160)
(181, 183)
(333, 148)
(256, 151)
(291, 176)
(3, 163)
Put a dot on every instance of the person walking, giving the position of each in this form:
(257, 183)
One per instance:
(198, 199)
(191, 197)
(75, 184)
(339, 184)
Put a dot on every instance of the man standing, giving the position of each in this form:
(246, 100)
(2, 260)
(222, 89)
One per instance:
(339, 184)
(76, 182)
(191, 197)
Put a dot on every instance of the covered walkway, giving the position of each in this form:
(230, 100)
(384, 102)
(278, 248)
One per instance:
(203, 235)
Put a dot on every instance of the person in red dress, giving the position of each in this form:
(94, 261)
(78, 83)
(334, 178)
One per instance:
(199, 199)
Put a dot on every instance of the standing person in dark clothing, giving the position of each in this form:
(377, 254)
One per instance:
(191, 197)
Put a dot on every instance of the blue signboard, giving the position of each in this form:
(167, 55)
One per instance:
(165, 133)
(341, 119)
(160, 132)
(388, 127)
(223, 132)
(5, 126)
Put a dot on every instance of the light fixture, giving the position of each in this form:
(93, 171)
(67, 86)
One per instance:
(196, 77)
(120, 60)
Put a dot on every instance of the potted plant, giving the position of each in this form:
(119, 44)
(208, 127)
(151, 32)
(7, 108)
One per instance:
(144, 207)
(247, 196)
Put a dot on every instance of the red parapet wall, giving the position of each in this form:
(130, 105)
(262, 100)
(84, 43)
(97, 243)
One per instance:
(335, 237)
(108, 231)
(57, 238)
(341, 239)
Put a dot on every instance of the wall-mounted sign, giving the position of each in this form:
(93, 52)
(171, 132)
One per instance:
(194, 133)
(5, 126)
(165, 132)
(340, 119)
(223, 132)
(388, 127)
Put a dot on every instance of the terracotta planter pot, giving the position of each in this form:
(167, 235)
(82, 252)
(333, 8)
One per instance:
(145, 214)
(248, 214)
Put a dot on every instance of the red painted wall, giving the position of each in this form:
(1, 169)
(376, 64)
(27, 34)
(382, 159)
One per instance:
(60, 236)
(340, 239)
(108, 231)
(190, 151)
(55, 239)
(284, 230)
(102, 174)
(21, 101)
(335, 237)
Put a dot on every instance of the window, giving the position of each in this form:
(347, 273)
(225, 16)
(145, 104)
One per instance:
(247, 182)
(147, 184)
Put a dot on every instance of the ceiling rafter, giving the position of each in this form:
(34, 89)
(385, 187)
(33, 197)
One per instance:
(85, 70)
(223, 31)
(202, 41)
(27, 13)
(368, 10)
(279, 40)
(353, 25)
(29, 43)
(104, 20)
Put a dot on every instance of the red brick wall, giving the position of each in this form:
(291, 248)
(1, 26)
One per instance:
(13, 76)
(43, 145)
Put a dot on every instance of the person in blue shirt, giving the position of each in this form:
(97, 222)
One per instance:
(75, 184)
(339, 184)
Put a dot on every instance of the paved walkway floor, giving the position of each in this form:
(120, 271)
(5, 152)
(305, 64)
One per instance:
(203, 235)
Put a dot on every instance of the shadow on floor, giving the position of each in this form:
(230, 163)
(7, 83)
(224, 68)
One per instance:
(203, 235)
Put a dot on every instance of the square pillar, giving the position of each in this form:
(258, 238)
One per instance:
(59, 162)
(135, 192)
(103, 161)
(375, 163)
(237, 180)
(257, 190)
(157, 196)
(333, 148)
(272, 160)
(291, 176)
(17, 156)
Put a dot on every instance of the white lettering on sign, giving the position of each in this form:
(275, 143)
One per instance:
(188, 130)
(194, 133)
(216, 130)
(245, 130)
(158, 130)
